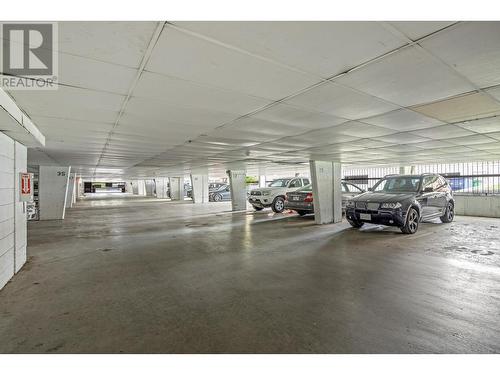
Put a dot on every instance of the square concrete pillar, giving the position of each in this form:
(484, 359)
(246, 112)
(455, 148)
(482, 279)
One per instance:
(71, 190)
(237, 181)
(262, 181)
(327, 191)
(149, 187)
(161, 188)
(52, 191)
(199, 183)
(177, 188)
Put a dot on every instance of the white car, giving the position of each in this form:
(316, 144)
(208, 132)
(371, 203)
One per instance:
(274, 195)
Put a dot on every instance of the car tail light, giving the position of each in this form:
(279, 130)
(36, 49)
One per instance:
(309, 197)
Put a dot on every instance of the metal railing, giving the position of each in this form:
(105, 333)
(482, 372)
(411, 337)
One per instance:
(473, 178)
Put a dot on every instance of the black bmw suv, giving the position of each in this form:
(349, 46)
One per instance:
(403, 201)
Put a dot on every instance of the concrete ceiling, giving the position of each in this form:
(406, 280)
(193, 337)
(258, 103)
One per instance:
(147, 98)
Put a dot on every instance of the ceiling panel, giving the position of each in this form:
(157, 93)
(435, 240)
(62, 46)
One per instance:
(472, 48)
(179, 92)
(418, 29)
(402, 138)
(461, 108)
(443, 132)
(341, 102)
(287, 114)
(96, 75)
(158, 111)
(403, 120)
(185, 56)
(407, 77)
(70, 103)
(121, 43)
(471, 140)
(485, 125)
(302, 45)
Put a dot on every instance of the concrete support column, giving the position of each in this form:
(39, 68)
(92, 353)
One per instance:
(149, 186)
(161, 188)
(52, 191)
(237, 181)
(138, 187)
(327, 192)
(129, 187)
(262, 181)
(70, 193)
(406, 169)
(177, 188)
(199, 183)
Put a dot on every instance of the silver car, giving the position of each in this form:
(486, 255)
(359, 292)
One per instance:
(222, 193)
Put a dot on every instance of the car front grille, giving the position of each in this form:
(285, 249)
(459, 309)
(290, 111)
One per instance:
(367, 206)
(255, 193)
(361, 205)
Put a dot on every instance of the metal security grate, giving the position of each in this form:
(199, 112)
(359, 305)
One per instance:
(472, 178)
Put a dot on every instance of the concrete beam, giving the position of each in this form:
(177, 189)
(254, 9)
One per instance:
(16, 124)
(237, 181)
(327, 192)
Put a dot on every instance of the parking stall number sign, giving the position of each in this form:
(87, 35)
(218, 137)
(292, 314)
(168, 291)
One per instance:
(26, 187)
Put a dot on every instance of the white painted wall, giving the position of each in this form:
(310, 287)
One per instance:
(12, 213)
(52, 191)
(477, 205)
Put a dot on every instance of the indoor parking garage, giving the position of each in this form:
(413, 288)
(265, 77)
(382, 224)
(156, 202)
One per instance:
(236, 187)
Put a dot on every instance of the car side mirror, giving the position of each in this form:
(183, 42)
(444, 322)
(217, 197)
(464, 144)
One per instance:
(428, 190)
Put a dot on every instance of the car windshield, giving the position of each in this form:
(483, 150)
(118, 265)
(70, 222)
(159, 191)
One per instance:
(282, 182)
(307, 188)
(398, 184)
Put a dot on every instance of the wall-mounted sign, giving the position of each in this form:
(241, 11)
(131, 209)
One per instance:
(25, 187)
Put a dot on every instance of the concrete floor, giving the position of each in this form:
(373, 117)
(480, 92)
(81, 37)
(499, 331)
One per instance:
(142, 275)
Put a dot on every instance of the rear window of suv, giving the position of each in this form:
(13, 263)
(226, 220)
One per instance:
(282, 182)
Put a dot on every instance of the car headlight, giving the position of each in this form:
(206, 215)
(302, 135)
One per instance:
(391, 205)
(349, 204)
(266, 193)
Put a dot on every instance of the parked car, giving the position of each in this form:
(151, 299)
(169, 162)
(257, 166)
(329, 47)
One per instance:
(274, 195)
(215, 185)
(403, 201)
(221, 193)
(301, 200)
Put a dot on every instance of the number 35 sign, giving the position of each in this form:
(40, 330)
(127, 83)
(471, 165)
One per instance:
(25, 187)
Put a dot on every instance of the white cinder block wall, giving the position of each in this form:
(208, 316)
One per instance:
(12, 215)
